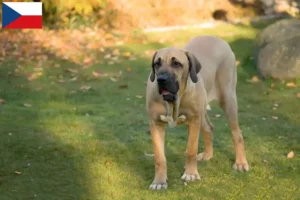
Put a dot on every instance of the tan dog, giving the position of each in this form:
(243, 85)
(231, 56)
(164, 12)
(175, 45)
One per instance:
(181, 84)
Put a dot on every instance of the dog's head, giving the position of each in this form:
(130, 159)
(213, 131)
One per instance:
(171, 67)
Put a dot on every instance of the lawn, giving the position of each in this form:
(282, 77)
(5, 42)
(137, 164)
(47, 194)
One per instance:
(69, 133)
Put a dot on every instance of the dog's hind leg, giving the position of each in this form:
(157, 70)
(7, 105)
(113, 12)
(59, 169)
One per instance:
(228, 102)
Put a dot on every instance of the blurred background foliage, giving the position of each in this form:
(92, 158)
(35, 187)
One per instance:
(124, 14)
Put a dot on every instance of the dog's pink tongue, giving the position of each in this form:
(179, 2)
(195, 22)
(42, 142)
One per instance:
(165, 92)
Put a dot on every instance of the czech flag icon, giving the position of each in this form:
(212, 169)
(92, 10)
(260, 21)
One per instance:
(22, 15)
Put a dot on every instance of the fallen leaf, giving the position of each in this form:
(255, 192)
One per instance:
(72, 70)
(57, 65)
(73, 91)
(275, 117)
(298, 95)
(27, 105)
(128, 69)
(291, 84)
(255, 79)
(148, 154)
(126, 54)
(34, 76)
(111, 62)
(291, 154)
(73, 79)
(85, 88)
(116, 58)
(116, 52)
(61, 81)
(97, 74)
(19, 173)
(107, 56)
(272, 85)
(274, 108)
(276, 105)
(218, 115)
(123, 86)
(87, 60)
(263, 118)
(107, 163)
(113, 79)
(139, 96)
(237, 62)
(2, 101)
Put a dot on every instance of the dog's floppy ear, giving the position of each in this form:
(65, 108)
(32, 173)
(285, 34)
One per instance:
(194, 65)
(152, 76)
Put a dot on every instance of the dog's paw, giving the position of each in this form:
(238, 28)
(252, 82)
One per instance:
(158, 186)
(204, 156)
(190, 177)
(241, 166)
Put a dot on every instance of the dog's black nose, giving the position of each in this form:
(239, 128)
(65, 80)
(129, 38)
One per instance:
(162, 78)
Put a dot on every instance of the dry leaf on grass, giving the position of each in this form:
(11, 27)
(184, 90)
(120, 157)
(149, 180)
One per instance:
(255, 79)
(73, 79)
(73, 91)
(123, 86)
(128, 69)
(237, 63)
(298, 95)
(139, 96)
(34, 76)
(126, 54)
(291, 84)
(116, 52)
(107, 56)
(275, 117)
(96, 74)
(19, 173)
(85, 88)
(148, 154)
(113, 79)
(27, 105)
(291, 154)
(2, 101)
(218, 115)
(87, 60)
(72, 70)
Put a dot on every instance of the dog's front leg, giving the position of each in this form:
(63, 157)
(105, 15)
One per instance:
(158, 136)
(191, 170)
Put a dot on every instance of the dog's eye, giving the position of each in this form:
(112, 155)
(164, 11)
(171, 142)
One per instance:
(176, 64)
(157, 64)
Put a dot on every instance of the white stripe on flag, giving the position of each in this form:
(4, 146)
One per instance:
(26, 8)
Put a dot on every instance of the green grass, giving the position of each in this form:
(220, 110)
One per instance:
(90, 145)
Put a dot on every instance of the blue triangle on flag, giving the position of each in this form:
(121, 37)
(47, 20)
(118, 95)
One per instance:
(8, 15)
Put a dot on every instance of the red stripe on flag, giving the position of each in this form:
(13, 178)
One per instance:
(34, 22)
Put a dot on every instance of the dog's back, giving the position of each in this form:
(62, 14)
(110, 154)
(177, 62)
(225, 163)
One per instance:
(217, 61)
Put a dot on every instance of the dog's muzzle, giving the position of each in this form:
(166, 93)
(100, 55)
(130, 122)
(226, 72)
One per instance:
(167, 86)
